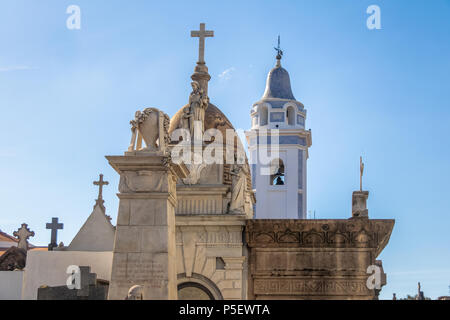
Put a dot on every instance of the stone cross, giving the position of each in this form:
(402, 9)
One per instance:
(361, 169)
(100, 183)
(54, 226)
(23, 234)
(202, 34)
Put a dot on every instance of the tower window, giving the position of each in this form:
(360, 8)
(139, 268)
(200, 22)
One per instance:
(264, 115)
(277, 170)
(290, 115)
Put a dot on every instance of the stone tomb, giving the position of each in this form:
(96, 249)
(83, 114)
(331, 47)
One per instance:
(91, 289)
(144, 248)
(314, 259)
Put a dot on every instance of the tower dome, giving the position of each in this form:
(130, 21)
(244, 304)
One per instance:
(278, 84)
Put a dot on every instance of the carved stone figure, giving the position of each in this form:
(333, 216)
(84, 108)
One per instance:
(152, 126)
(238, 185)
(194, 173)
(135, 293)
(186, 119)
(198, 103)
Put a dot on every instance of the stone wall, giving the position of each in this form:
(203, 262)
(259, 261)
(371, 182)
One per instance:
(314, 259)
(210, 253)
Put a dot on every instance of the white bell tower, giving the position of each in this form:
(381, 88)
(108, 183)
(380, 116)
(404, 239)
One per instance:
(279, 178)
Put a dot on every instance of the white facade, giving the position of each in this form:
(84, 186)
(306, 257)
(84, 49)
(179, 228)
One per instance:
(49, 268)
(278, 147)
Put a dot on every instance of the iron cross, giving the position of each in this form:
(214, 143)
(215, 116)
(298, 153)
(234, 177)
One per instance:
(202, 34)
(54, 226)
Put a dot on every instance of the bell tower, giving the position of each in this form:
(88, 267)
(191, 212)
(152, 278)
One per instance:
(278, 147)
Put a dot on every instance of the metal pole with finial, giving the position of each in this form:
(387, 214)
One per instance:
(279, 52)
(361, 169)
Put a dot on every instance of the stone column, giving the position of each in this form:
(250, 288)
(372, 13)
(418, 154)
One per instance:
(144, 247)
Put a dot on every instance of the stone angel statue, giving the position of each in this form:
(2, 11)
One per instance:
(238, 188)
(198, 103)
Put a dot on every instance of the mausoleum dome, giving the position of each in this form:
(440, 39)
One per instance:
(214, 118)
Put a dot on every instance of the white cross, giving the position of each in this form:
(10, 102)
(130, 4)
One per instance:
(202, 34)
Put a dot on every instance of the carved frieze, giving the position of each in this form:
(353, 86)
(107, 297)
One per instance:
(314, 259)
(311, 287)
(358, 233)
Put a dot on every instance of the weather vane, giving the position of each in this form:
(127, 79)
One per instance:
(278, 50)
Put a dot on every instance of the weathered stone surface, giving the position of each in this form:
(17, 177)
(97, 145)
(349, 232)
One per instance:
(95, 292)
(201, 241)
(144, 248)
(23, 234)
(314, 259)
(359, 204)
(90, 289)
(14, 258)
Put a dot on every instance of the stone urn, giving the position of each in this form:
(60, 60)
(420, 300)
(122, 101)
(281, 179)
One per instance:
(148, 127)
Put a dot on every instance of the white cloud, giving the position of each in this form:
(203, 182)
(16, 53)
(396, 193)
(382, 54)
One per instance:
(15, 68)
(227, 74)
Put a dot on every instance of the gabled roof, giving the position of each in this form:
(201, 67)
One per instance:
(96, 234)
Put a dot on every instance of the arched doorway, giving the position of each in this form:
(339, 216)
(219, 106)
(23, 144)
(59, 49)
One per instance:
(193, 291)
(197, 287)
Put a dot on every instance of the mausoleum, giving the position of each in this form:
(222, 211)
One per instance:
(197, 219)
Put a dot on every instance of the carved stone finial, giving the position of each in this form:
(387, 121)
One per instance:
(151, 126)
(23, 234)
(420, 295)
(359, 198)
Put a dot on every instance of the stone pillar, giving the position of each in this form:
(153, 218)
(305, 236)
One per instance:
(144, 247)
(202, 76)
(359, 204)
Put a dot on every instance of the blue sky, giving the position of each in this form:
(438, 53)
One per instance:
(66, 98)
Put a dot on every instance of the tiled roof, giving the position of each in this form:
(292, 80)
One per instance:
(39, 249)
(6, 237)
(3, 250)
